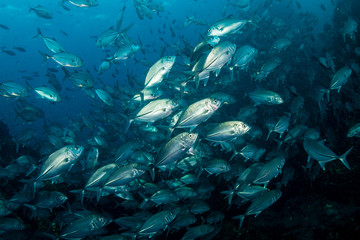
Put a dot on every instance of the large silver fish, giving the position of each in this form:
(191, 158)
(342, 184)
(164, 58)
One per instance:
(197, 113)
(176, 148)
(82, 3)
(64, 59)
(270, 170)
(59, 161)
(340, 78)
(226, 27)
(156, 223)
(48, 93)
(51, 43)
(265, 97)
(318, 151)
(227, 131)
(260, 204)
(158, 71)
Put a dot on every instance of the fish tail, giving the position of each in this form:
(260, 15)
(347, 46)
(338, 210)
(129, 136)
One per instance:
(45, 56)
(66, 72)
(82, 194)
(234, 155)
(33, 209)
(39, 34)
(229, 195)
(267, 138)
(144, 201)
(342, 158)
(241, 218)
(254, 24)
(98, 194)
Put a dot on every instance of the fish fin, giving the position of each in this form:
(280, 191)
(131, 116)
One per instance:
(144, 201)
(39, 34)
(98, 194)
(231, 69)
(241, 218)
(322, 165)
(267, 138)
(197, 80)
(33, 209)
(45, 56)
(342, 158)
(234, 155)
(128, 123)
(82, 194)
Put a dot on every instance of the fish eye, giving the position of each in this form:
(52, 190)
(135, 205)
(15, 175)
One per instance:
(191, 135)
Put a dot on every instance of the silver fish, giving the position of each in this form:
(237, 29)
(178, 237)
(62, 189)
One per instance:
(64, 59)
(176, 148)
(354, 131)
(340, 78)
(226, 27)
(48, 93)
(318, 151)
(105, 97)
(158, 71)
(265, 97)
(270, 170)
(197, 113)
(260, 204)
(59, 161)
(156, 222)
(51, 43)
(227, 131)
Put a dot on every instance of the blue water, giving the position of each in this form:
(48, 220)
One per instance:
(77, 30)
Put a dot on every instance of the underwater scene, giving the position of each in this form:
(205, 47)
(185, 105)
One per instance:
(169, 119)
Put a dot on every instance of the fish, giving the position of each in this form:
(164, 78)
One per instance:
(155, 223)
(259, 204)
(105, 97)
(217, 166)
(82, 79)
(123, 175)
(265, 97)
(197, 113)
(354, 131)
(340, 78)
(317, 150)
(280, 126)
(243, 56)
(59, 161)
(155, 110)
(84, 226)
(82, 3)
(198, 231)
(50, 43)
(64, 59)
(175, 148)
(8, 52)
(227, 131)
(270, 170)
(226, 27)
(48, 93)
(158, 71)
(20, 49)
(124, 53)
(109, 36)
(13, 89)
(41, 12)
(4, 27)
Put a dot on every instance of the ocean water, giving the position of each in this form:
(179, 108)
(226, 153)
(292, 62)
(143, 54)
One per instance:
(313, 204)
